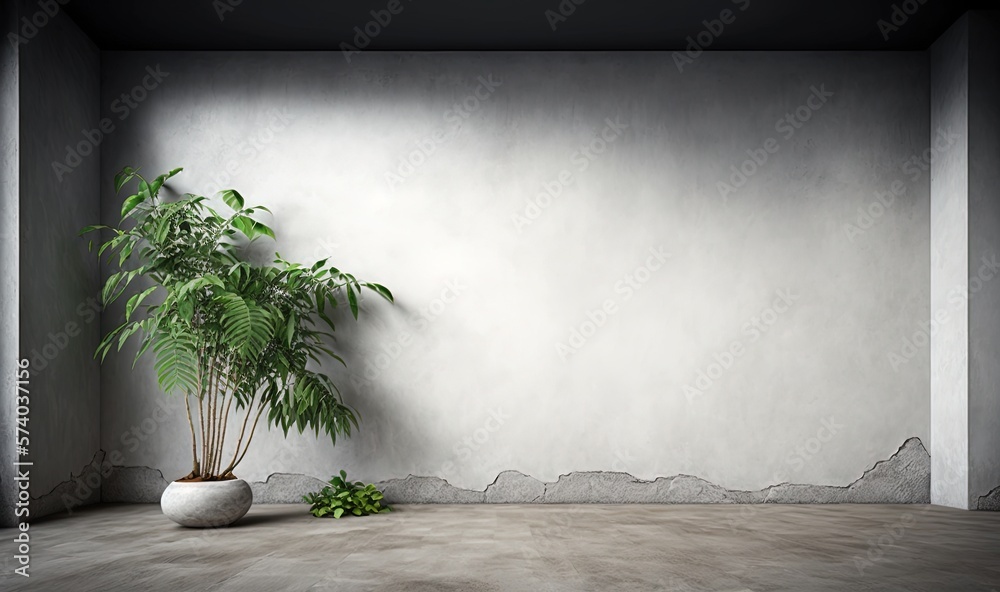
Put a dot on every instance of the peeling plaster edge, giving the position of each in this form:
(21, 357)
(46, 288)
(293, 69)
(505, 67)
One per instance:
(762, 493)
(991, 501)
(79, 490)
(147, 484)
(598, 487)
(887, 460)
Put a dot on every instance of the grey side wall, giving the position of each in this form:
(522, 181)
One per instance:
(984, 252)
(950, 262)
(506, 225)
(59, 94)
(8, 260)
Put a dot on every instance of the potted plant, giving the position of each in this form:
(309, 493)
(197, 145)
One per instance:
(235, 339)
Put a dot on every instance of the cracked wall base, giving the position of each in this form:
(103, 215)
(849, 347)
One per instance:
(904, 478)
(81, 489)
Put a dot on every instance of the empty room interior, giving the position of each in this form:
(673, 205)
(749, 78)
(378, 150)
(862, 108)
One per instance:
(565, 295)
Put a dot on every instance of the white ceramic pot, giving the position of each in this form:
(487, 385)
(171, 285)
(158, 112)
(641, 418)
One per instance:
(206, 504)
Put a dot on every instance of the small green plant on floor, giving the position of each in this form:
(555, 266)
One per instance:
(342, 496)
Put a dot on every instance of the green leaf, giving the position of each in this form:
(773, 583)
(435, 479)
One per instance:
(186, 309)
(109, 285)
(146, 342)
(123, 337)
(338, 512)
(123, 177)
(352, 299)
(154, 187)
(90, 228)
(105, 344)
(290, 329)
(381, 291)
(263, 229)
(176, 362)
(131, 202)
(246, 325)
(136, 300)
(232, 198)
(124, 253)
(247, 225)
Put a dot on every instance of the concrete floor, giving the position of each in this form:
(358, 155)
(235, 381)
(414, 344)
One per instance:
(537, 547)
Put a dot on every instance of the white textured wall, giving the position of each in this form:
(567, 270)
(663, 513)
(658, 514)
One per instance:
(950, 261)
(817, 398)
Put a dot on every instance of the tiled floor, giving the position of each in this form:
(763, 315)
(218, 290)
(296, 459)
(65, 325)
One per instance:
(530, 548)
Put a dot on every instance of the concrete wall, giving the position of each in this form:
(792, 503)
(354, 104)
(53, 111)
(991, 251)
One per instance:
(950, 263)
(984, 251)
(59, 94)
(8, 260)
(506, 222)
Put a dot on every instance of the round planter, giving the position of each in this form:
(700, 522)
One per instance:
(206, 504)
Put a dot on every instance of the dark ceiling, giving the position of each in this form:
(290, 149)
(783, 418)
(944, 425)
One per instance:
(517, 24)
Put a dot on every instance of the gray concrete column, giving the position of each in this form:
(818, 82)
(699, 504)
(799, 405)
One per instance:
(9, 200)
(965, 291)
(984, 257)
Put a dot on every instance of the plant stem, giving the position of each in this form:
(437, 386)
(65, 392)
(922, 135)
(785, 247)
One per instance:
(250, 436)
(221, 391)
(194, 439)
(211, 419)
(225, 425)
(201, 423)
(239, 439)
